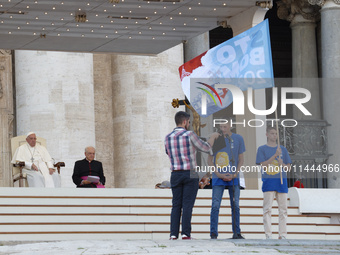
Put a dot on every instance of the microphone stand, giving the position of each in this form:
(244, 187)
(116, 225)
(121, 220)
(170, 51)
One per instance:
(232, 163)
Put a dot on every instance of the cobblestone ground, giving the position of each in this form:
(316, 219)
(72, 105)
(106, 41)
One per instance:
(164, 247)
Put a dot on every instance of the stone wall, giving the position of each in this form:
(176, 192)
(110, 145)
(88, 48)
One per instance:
(55, 99)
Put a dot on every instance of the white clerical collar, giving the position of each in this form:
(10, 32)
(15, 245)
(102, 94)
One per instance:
(30, 147)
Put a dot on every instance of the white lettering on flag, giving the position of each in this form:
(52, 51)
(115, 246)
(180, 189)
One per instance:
(244, 61)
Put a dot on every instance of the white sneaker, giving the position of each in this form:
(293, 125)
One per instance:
(268, 237)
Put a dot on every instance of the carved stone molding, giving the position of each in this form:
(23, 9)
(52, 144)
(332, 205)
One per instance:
(287, 9)
(1, 81)
(308, 140)
(10, 125)
(1, 89)
(5, 52)
(321, 2)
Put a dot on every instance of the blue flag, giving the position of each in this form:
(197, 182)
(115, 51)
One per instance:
(245, 61)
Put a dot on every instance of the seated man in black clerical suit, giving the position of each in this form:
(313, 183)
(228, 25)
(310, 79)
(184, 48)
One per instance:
(88, 173)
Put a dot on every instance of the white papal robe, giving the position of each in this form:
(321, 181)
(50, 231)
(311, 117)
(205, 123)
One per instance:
(40, 157)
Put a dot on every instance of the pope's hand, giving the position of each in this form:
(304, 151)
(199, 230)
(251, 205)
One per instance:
(51, 171)
(34, 167)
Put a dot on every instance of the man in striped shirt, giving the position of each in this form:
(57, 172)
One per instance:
(181, 146)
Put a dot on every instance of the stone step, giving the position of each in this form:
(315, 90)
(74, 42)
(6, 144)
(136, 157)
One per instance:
(148, 235)
(113, 201)
(60, 209)
(148, 217)
(140, 227)
(64, 214)
(114, 192)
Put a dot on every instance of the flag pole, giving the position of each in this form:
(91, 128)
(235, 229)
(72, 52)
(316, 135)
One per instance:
(278, 143)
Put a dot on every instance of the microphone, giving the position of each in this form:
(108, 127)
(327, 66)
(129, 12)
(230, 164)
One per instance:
(229, 138)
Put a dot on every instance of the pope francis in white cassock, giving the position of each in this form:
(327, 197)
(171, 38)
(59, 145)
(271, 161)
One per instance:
(38, 164)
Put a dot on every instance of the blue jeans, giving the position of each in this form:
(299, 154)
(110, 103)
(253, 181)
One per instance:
(217, 194)
(184, 188)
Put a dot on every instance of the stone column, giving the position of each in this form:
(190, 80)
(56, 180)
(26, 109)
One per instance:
(55, 99)
(193, 48)
(330, 37)
(142, 91)
(103, 114)
(305, 64)
(6, 118)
